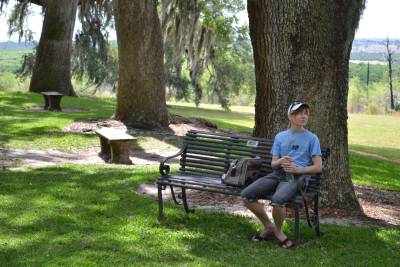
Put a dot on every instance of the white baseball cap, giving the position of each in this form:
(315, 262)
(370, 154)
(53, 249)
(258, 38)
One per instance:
(296, 105)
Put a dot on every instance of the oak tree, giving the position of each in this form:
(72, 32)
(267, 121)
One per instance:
(141, 81)
(301, 52)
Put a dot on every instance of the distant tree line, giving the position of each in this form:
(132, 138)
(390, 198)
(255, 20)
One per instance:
(374, 41)
(369, 89)
(377, 72)
(370, 56)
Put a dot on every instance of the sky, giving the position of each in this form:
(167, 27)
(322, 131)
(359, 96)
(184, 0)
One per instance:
(380, 20)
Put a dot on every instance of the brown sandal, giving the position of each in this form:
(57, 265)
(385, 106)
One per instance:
(259, 237)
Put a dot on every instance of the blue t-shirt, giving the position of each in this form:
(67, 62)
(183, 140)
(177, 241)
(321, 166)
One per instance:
(300, 146)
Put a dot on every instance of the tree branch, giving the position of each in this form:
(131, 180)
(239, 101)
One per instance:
(39, 2)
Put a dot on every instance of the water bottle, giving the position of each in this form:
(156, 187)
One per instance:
(289, 176)
(223, 178)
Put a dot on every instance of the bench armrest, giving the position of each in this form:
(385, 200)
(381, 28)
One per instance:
(164, 168)
(314, 183)
(315, 175)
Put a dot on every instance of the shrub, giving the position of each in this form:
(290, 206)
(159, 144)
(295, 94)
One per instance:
(8, 81)
(373, 110)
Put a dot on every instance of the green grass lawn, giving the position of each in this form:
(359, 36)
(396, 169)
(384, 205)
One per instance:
(376, 173)
(375, 131)
(39, 129)
(21, 128)
(11, 60)
(240, 119)
(80, 215)
(83, 215)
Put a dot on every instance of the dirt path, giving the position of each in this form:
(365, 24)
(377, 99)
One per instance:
(20, 158)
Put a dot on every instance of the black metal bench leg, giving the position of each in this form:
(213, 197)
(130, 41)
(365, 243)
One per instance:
(307, 213)
(184, 200)
(160, 204)
(174, 197)
(296, 224)
(316, 216)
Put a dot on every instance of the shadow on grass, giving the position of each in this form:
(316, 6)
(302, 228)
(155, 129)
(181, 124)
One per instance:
(223, 119)
(225, 242)
(374, 172)
(381, 153)
(72, 215)
(89, 215)
(50, 135)
(18, 123)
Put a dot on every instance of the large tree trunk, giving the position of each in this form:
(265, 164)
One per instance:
(141, 84)
(301, 52)
(52, 70)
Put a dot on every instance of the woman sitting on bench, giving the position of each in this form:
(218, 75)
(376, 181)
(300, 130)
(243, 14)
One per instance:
(296, 152)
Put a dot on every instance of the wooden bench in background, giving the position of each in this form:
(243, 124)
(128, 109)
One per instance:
(115, 145)
(52, 101)
(205, 157)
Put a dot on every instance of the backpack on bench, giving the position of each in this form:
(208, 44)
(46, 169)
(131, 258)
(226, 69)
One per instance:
(243, 171)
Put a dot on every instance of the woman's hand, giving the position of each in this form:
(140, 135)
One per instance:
(281, 162)
(315, 168)
(290, 167)
(285, 160)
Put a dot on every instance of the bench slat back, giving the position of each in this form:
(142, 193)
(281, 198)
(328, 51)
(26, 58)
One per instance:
(209, 154)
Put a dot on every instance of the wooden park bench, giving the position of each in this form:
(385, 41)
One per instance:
(115, 145)
(52, 101)
(205, 156)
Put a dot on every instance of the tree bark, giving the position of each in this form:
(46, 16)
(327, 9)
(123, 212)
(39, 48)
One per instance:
(52, 69)
(301, 52)
(141, 84)
(389, 58)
